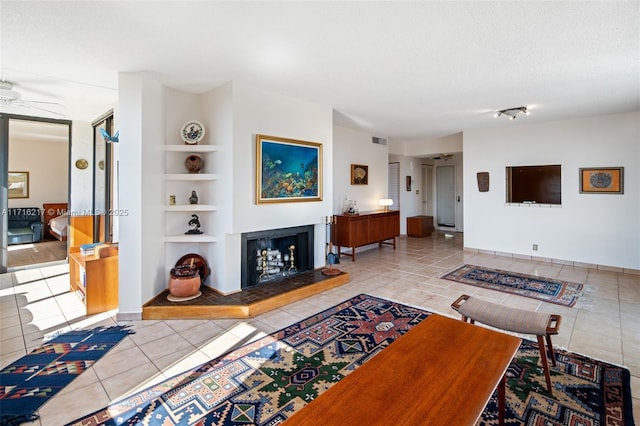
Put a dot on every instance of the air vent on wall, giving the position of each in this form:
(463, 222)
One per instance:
(379, 141)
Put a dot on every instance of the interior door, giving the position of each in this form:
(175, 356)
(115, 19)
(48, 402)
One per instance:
(445, 194)
(427, 190)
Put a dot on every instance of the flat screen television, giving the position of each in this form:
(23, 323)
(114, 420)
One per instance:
(534, 184)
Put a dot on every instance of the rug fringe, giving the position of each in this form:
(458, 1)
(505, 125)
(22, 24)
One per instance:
(9, 420)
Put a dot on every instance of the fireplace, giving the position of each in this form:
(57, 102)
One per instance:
(276, 254)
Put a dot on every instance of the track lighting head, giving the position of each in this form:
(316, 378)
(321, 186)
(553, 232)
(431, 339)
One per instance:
(512, 113)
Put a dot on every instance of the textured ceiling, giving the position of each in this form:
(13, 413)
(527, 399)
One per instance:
(403, 70)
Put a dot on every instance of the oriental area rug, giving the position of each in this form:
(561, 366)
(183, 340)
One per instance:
(545, 289)
(29, 382)
(266, 381)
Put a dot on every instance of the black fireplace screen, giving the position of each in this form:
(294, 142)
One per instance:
(276, 254)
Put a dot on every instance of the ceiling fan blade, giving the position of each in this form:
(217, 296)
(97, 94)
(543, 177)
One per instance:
(23, 105)
(39, 102)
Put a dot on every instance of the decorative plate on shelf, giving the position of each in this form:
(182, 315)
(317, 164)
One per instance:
(192, 132)
(199, 262)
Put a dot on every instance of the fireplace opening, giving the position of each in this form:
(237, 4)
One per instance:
(276, 254)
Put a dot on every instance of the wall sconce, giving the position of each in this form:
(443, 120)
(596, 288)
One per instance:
(512, 113)
(385, 202)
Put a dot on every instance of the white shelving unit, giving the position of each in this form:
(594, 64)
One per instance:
(180, 183)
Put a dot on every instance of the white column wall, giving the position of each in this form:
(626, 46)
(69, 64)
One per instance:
(141, 258)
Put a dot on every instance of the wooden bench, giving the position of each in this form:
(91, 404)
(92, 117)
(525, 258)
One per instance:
(540, 324)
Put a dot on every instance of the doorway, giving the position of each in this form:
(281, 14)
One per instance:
(427, 191)
(445, 193)
(37, 150)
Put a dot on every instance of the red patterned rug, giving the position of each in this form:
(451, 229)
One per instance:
(546, 289)
(265, 382)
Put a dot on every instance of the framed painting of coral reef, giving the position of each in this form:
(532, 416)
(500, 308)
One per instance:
(287, 170)
(607, 180)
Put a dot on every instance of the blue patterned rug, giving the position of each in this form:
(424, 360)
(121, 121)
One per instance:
(30, 381)
(546, 289)
(265, 382)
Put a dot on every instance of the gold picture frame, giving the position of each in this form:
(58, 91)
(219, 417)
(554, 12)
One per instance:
(287, 170)
(18, 185)
(602, 180)
(359, 174)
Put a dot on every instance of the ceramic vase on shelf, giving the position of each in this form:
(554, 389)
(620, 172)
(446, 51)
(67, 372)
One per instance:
(194, 163)
(184, 281)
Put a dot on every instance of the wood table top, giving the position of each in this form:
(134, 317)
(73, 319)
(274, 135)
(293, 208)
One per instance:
(441, 372)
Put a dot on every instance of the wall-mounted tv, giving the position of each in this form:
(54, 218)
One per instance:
(534, 184)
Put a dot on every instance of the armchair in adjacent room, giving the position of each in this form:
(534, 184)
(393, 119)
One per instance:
(24, 225)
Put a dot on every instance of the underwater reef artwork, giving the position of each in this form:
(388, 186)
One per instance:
(288, 170)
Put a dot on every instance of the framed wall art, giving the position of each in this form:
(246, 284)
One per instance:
(287, 170)
(359, 174)
(602, 180)
(18, 185)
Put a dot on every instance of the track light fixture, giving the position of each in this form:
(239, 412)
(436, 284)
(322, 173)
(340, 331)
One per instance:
(512, 113)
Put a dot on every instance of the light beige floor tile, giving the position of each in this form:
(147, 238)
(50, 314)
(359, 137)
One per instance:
(203, 332)
(8, 356)
(118, 361)
(65, 406)
(278, 318)
(601, 347)
(159, 348)
(122, 384)
(152, 332)
(10, 322)
(180, 361)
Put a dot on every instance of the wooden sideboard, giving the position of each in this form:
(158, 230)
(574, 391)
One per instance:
(365, 228)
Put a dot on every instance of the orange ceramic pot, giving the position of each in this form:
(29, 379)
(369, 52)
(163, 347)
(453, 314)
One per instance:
(184, 281)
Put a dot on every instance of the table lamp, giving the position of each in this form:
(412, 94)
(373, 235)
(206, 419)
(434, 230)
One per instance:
(386, 202)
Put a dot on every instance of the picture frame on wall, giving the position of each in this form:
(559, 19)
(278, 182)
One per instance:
(18, 185)
(359, 174)
(602, 180)
(287, 170)
(408, 183)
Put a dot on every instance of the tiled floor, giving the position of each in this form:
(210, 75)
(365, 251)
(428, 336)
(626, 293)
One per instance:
(36, 303)
(19, 255)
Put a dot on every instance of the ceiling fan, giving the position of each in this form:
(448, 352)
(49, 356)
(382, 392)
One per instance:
(10, 97)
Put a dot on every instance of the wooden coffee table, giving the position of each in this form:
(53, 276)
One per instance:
(441, 372)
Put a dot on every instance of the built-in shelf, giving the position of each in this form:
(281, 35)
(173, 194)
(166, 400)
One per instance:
(190, 176)
(191, 208)
(191, 148)
(190, 238)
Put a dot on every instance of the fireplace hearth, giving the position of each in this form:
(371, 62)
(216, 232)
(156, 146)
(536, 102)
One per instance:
(276, 254)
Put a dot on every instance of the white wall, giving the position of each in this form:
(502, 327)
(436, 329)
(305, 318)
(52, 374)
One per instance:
(355, 147)
(81, 197)
(423, 148)
(142, 134)
(597, 229)
(256, 111)
(48, 165)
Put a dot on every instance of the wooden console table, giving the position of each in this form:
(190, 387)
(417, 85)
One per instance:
(441, 372)
(366, 228)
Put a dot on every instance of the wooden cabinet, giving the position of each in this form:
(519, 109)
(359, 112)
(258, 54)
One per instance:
(366, 228)
(419, 226)
(94, 279)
